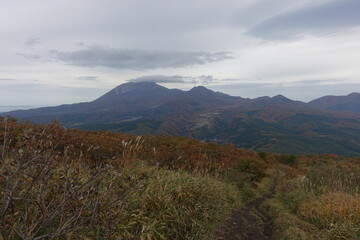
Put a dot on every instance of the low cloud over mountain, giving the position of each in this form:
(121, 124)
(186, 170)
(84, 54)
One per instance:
(203, 79)
(138, 59)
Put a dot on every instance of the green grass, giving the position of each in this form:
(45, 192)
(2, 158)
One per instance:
(288, 226)
(173, 205)
(132, 202)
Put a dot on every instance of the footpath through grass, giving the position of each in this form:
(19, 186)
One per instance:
(249, 222)
(70, 184)
(318, 197)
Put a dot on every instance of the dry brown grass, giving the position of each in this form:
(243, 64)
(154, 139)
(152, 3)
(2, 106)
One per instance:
(57, 183)
(332, 208)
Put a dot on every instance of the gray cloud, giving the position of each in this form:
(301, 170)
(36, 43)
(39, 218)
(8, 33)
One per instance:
(18, 80)
(89, 78)
(161, 79)
(182, 36)
(137, 59)
(7, 79)
(299, 83)
(317, 82)
(314, 20)
(30, 55)
(206, 79)
(32, 42)
(22, 87)
(203, 79)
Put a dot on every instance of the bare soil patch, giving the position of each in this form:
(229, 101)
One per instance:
(247, 223)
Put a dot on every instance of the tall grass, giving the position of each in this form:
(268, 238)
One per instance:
(173, 205)
(327, 196)
(332, 209)
(319, 180)
(66, 184)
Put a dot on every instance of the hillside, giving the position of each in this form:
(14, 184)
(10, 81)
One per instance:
(70, 184)
(349, 103)
(274, 124)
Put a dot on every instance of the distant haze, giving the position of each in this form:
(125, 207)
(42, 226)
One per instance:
(58, 52)
(11, 108)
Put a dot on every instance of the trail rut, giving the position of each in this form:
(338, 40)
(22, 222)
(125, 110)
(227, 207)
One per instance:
(247, 223)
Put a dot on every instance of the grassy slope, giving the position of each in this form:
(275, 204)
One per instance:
(279, 132)
(163, 187)
(100, 185)
(317, 198)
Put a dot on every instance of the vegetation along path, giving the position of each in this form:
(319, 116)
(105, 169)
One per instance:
(248, 223)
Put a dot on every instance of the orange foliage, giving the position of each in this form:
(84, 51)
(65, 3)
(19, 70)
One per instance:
(98, 146)
(332, 208)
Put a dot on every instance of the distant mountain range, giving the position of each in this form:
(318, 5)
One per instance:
(330, 124)
(350, 103)
(4, 108)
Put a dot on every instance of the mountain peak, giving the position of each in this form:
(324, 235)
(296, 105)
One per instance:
(136, 87)
(201, 90)
(354, 95)
(280, 98)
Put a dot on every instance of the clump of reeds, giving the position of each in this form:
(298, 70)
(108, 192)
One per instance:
(332, 208)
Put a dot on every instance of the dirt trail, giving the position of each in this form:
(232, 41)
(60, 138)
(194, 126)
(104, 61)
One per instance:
(247, 223)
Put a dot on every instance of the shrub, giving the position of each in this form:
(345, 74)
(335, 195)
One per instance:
(253, 168)
(289, 160)
(262, 155)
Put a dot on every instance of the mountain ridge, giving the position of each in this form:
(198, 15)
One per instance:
(274, 124)
(350, 102)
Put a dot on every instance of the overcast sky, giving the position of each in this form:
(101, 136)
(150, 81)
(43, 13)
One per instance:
(67, 51)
